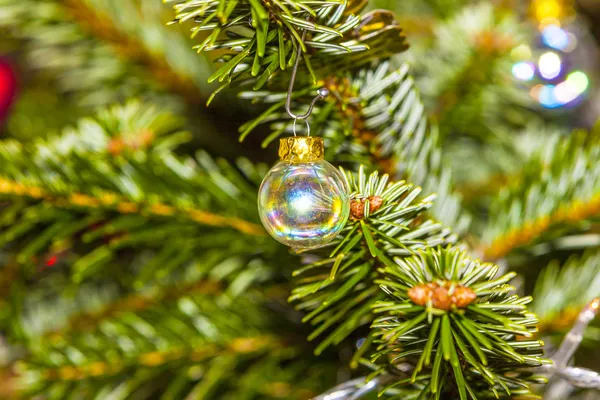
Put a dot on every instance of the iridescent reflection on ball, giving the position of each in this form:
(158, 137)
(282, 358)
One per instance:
(304, 205)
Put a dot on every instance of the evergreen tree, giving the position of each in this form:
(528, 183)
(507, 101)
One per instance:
(133, 262)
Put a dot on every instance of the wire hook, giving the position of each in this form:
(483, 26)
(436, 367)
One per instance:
(321, 93)
(307, 127)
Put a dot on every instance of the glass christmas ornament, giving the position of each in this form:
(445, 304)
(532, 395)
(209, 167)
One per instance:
(303, 200)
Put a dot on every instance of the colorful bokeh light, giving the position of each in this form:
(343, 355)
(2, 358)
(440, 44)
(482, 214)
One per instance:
(548, 10)
(524, 71)
(568, 91)
(555, 37)
(550, 65)
(521, 52)
(578, 81)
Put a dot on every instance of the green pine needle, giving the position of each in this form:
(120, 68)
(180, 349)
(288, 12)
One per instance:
(365, 243)
(487, 325)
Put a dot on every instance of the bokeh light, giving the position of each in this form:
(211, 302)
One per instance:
(548, 9)
(555, 37)
(524, 71)
(578, 81)
(547, 97)
(572, 43)
(550, 65)
(521, 52)
(568, 91)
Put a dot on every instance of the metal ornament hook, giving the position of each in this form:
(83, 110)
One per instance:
(321, 93)
(307, 127)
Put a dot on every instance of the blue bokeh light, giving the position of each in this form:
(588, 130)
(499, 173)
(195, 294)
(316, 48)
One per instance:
(523, 71)
(555, 37)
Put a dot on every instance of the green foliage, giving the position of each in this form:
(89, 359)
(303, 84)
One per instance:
(535, 213)
(77, 44)
(373, 117)
(190, 347)
(476, 341)
(131, 270)
(110, 200)
(465, 72)
(561, 291)
(132, 263)
(51, 113)
(258, 36)
(337, 290)
(461, 57)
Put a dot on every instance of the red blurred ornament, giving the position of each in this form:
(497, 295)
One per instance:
(8, 87)
(49, 260)
(52, 261)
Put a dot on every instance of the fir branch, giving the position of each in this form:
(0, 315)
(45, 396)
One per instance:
(338, 288)
(457, 323)
(137, 197)
(190, 347)
(133, 303)
(463, 67)
(506, 168)
(39, 111)
(56, 307)
(562, 291)
(193, 342)
(109, 201)
(100, 25)
(535, 210)
(86, 67)
(390, 130)
(258, 36)
(473, 191)
(101, 369)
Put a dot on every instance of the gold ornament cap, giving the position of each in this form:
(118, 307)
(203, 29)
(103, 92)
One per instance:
(301, 149)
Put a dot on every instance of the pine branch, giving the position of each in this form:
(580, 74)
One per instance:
(463, 63)
(54, 306)
(84, 65)
(562, 291)
(166, 339)
(219, 275)
(488, 187)
(133, 303)
(505, 169)
(109, 201)
(257, 36)
(113, 185)
(100, 25)
(455, 322)
(536, 212)
(193, 347)
(338, 288)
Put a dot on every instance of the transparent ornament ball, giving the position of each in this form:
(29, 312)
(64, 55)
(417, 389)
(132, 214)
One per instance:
(303, 200)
